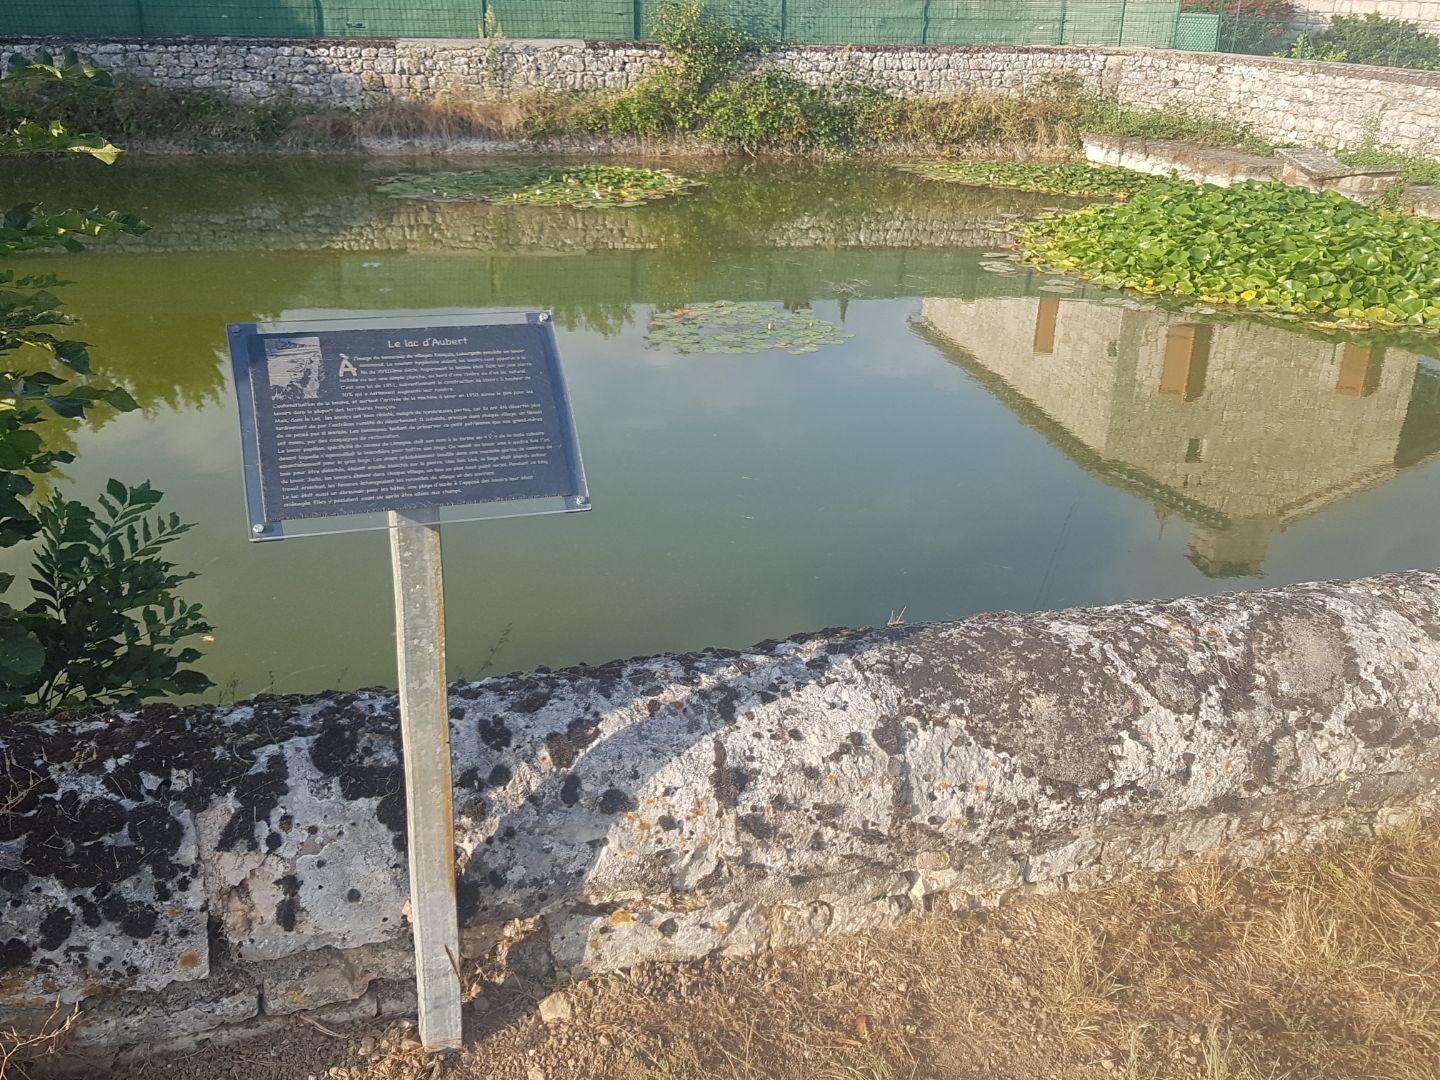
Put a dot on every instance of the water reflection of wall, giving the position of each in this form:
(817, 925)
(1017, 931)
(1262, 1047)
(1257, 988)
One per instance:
(1241, 428)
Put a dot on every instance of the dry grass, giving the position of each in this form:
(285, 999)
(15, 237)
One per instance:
(441, 119)
(1323, 965)
(22, 1052)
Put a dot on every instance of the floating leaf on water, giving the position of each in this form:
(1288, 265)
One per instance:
(725, 326)
(596, 186)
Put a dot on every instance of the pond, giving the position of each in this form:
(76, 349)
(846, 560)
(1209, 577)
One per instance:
(940, 437)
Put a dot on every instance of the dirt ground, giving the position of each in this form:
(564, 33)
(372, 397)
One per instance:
(1323, 965)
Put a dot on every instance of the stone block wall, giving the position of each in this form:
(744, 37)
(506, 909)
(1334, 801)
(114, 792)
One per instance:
(205, 873)
(1309, 103)
(1314, 14)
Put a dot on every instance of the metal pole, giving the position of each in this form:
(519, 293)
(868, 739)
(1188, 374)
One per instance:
(639, 21)
(425, 739)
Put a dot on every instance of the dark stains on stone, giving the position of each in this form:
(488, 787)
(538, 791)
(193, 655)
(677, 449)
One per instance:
(494, 733)
(259, 793)
(55, 928)
(565, 746)
(615, 801)
(757, 826)
(570, 790)
(287, 911)
(729, 782)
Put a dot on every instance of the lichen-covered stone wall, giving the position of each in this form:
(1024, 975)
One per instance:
(193, 870)
(1304, 102)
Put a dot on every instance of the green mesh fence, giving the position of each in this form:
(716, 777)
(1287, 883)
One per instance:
(851, 22)
(1197, 31)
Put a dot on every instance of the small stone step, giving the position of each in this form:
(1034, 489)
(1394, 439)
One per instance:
(1317, 165)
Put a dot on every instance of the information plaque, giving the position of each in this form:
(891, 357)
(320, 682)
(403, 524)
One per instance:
(347, 419)
(393, 423)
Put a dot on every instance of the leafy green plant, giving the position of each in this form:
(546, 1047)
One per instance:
(1094, 181)
(1262, 247)
(79, 640)
(1304, 47)
(105, 623)
(770, 110)
(1374, 39)
(724, 326)
(574, 185)
(1413, 170)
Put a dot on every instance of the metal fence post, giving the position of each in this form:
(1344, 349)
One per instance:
(1123, 4)
(139, 18)
(639, 20)
(783, 14)
(925, 24)
(1064, 9)
(319, 8)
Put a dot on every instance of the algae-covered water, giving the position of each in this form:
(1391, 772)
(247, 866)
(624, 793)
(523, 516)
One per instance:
(806, 397)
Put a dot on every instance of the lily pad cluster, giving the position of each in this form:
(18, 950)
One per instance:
(1260, 246)
(1086, 181)
(727, 327)
(568, 185)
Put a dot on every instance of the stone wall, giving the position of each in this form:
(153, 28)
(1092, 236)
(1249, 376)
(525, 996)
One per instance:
(1304, 102)
(206, 872)
(1313, 14)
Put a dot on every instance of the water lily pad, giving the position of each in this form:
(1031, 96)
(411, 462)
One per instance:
(571, 185)
(723, 326)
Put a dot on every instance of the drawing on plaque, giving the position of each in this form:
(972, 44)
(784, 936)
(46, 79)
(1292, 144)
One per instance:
(296, 366)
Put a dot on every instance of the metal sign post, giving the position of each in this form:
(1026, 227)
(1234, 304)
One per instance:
(425, 738)
(385, 422)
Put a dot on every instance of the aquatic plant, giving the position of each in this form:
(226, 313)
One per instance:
(724, 326)
(557, 185)
(1098, 181)
(1263, 247)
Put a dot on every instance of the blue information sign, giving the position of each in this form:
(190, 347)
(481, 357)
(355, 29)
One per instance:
(340, 418)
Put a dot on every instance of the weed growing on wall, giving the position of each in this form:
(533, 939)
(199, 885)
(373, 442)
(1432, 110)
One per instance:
(1262, 247)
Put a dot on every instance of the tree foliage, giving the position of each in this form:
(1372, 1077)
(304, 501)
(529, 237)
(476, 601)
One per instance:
(105, 615)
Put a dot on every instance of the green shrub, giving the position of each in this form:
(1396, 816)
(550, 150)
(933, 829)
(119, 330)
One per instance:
(1264, 247)
(1413, 170)
(771, 110)
(1374, 39)
(131, 109)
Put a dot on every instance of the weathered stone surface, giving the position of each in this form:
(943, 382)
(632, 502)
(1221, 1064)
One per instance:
(1309, 103)
(730, 801)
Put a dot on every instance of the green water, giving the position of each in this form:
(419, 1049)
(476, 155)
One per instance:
(979, 441)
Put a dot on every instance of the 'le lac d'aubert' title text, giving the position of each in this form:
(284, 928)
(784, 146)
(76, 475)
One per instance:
(426, 343)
